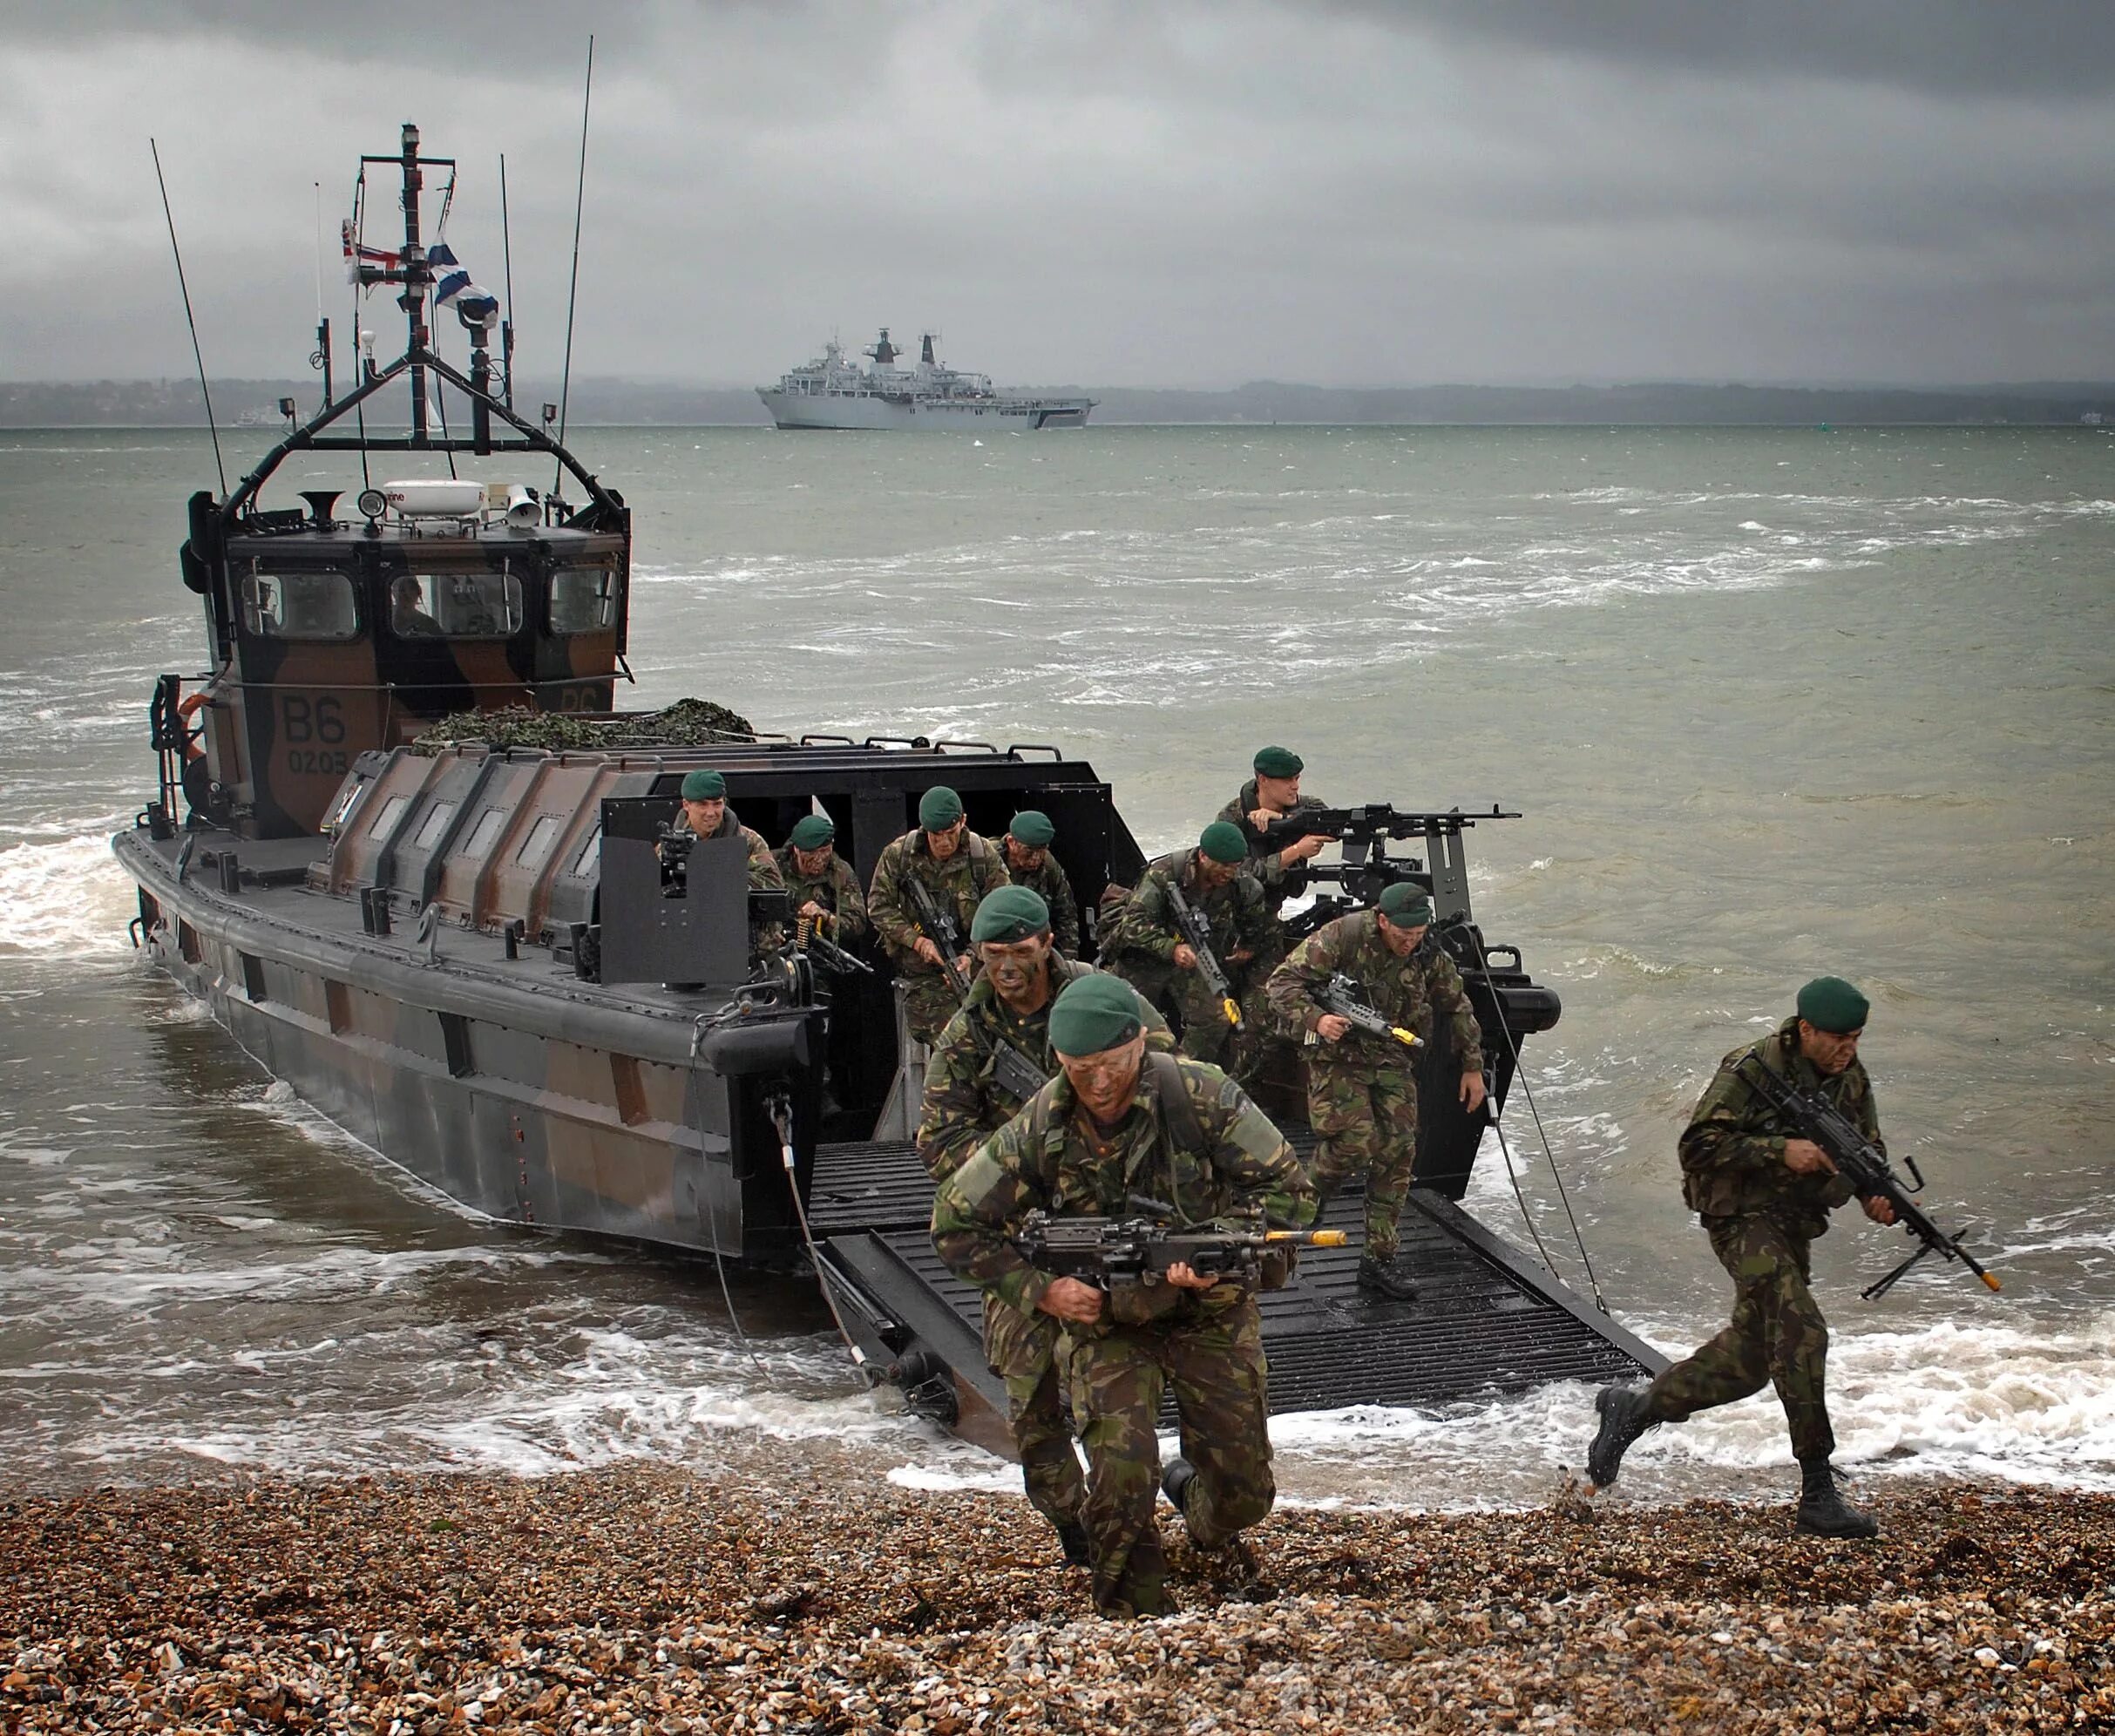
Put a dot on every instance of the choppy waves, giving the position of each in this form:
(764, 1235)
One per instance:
(66, 899)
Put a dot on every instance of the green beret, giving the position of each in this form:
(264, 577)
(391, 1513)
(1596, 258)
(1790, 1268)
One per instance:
(1092, 1014)
(1830, 1004)
(1222, 842)
(812, 832)
(1279, 763)
(1032, 828)
(1010, 913)
(1406, 905)
(704, 785)
(938, 808)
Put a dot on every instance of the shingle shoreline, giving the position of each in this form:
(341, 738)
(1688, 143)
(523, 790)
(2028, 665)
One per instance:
(783, 1598)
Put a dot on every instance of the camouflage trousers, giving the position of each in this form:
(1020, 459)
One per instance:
(1214, 1366)
(1364, 1122)
(1031, 1354)
(1776, 1337)
(928, 1003)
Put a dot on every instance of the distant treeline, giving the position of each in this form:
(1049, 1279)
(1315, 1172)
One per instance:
(175, 403)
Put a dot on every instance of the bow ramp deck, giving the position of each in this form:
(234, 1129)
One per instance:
(1487, 1321)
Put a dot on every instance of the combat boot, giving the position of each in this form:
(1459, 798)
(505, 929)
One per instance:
(1823, 1511)
(1624, 1419)
(1073, 1539)
(1385, 1277)
(1175, 1479)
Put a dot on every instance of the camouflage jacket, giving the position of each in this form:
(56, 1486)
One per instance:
(1733, 1149)
(1266, 864)
(1412, 992)
(836, 888)
(1050, 884)
(1143, 925)
(965, 1104)
(958, 884)
(763, 867)
(1048, 1157)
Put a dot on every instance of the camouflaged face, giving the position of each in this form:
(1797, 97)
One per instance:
(836, 888)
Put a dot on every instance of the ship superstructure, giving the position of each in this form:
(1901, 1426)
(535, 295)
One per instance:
(835, 391)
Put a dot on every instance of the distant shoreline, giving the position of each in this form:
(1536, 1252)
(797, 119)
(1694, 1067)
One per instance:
(775, 1590)
(629, 404)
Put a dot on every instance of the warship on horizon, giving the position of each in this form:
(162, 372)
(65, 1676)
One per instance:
(832, 392)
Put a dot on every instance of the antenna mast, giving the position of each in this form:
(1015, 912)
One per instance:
(416, 276)
(205, 391)
(506, 250)
(579, 195)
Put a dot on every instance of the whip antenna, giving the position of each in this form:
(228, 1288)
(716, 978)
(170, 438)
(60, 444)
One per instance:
(205, 391)
(506, 251)
(580, 194)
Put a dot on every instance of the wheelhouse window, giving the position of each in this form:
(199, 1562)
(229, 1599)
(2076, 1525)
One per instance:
(299, 605)
(583, 598)
(455, 605)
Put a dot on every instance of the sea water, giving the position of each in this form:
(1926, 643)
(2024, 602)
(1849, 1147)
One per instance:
(1773, 703)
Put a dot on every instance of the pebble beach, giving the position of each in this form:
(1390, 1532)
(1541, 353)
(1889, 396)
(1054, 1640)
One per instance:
(788, 1596)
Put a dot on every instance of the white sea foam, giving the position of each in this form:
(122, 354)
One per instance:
(64, 900)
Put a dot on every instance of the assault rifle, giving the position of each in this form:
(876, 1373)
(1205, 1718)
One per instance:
(1864, 1165)
(938, 925)
(1196, 929)
(1099, 1249)
(1345, 997)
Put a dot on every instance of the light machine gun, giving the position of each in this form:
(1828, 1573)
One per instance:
(1102, 1248)
(1864, 1165)
(1366, 870)
(1196, 929)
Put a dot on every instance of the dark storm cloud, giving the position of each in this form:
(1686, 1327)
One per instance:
(1095, 192)
(1968, 48)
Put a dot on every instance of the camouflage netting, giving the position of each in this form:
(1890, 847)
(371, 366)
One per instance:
(688, 722)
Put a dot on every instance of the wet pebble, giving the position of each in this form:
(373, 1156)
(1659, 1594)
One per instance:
(762, 1599)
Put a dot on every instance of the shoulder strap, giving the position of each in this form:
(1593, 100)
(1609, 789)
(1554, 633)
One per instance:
(1178, 1115)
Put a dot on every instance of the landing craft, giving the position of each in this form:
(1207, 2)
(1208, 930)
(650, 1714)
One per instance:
(461, 951)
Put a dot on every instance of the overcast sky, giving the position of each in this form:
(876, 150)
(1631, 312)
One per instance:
(1119, 193)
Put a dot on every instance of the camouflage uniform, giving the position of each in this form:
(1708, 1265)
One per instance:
(964, 1105)
(1138, 943)
(836, 888)
(1362, 1090)
(1207, 1345)
(957, 886)
(1266, 864)
(763, 867)
(1049, 883)
(1761, 1218)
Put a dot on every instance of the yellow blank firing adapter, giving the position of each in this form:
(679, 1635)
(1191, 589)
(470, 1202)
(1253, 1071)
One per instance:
(1409, 1038)
(1992, 1282)
(1233, 1012)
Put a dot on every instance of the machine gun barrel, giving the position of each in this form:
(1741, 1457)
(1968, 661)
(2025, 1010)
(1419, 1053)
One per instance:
(1100, 1249)
(1344, 997)
(809, 937)
(1865, 1166)
(939, 927)
(1195, 928)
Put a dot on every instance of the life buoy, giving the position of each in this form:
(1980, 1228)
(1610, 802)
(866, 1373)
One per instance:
(194, 746)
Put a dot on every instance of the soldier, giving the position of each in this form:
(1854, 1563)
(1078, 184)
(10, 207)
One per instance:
(958, 868)
(1029, 863)
(1764, 1194)
(1142, 945)
(706, 813)
(1362, 1088)
(973, 1088)
(1112, 1124)
(818, 884)
(1272, 794)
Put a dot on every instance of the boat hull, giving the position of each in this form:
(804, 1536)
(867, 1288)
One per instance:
(866, 410)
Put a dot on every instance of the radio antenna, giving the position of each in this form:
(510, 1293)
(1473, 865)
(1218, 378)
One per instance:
(205, 391)
(579, 194)
(506, 251)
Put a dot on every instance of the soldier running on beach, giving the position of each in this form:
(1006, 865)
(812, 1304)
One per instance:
(1103, 1132)
(1764, 1194)
(972, 1089)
